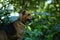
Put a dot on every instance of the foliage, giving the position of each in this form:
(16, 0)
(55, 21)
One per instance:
(46, 23)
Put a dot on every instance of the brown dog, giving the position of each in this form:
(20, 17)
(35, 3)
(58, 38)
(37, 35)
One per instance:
(3, 35)
(20, 23)
(16, 29)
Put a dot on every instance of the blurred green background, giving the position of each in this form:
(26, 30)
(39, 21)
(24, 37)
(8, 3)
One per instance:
(45, 26)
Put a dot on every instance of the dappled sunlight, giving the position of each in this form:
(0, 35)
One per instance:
(10, 7)
(49, 1)
(13, 16)
(46, 14)
(0, 5)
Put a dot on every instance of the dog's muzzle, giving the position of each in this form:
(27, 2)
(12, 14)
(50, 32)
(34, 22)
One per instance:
(29, 20)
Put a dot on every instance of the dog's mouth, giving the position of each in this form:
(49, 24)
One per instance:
(29, 20)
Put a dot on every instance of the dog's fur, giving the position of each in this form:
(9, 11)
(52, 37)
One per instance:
(3, 35)
(16, 29)
(20, 23)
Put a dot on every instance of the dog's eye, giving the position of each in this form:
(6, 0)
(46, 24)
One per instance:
(28, 14)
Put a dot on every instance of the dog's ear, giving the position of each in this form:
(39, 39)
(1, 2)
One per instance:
(23, 12)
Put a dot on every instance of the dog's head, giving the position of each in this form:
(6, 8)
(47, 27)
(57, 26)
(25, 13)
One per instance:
(25, 16)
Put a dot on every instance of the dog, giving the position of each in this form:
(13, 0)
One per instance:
(16, 29)
(3, 35)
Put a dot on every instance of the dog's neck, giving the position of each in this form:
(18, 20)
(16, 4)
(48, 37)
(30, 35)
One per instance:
(21, 21)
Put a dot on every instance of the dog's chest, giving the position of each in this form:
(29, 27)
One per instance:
(17, 28)
(20, 27)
